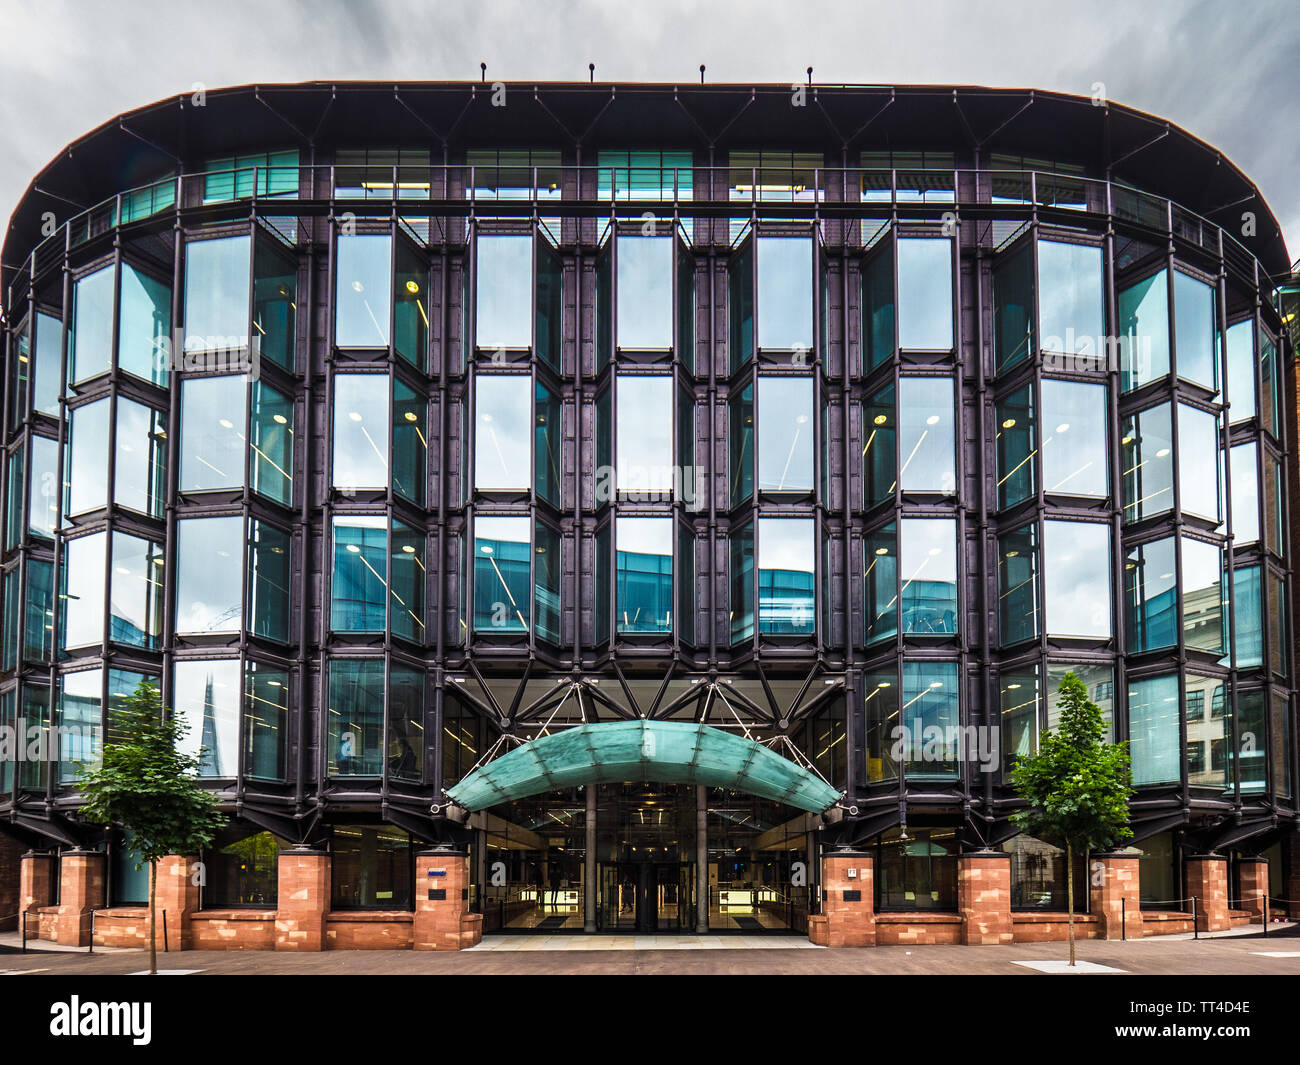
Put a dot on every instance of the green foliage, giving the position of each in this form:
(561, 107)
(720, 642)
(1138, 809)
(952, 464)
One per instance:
(144, 782)
(1077, 787)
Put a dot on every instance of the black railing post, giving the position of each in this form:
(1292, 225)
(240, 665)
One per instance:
(1196, 924)
(166, 948)
(1123, 919)
(24, 931)
(90, 949)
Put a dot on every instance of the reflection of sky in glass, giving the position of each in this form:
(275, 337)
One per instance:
(364, 291)
(645, 434)
(1144, 330)
(1069, 298)
(502, 437)
(207, 693)
(360, 430)
(925, 294)
(84, 580)
(1195, 330)
(645, 536)
(785, 434)
(785, 293)
(926, 449)
(1240, 343)
(1076, 578)
(209, 581)
(645, 292)
(786, 544)
(1198, 461)
(1074, 438)
(1245, 493)
(212, 433)
(504, 296)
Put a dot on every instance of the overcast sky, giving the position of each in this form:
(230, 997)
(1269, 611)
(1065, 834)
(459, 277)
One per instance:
(1227, 71)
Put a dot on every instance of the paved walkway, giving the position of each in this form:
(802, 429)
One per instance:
(617, 942)
(1279, 954)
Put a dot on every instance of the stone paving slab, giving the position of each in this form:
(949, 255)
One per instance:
(1236, 955)
(608, 943)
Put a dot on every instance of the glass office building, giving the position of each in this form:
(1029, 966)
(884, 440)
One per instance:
(391, 433)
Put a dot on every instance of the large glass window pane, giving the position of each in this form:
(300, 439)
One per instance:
(360, 431)
(740, 289)
(372, 868)
(502, 582)
(1270, 378)
(1198, 461)
(882, 726)
(546, 444)
(212, 433)
(355, 743)
(410, 446)
(1209, 731)
(926, 441)
(1239, 343)
(406, 724)
(786, 565)
(359, 580)
(83, 592)
(408, 580)
(1038, 875)
(48, 351)
(34, 708)
(503, 414)
(546, 589)
(742, 583)
(135, 614)
(918, 872)
(931, 716)
(271, 425)
(410, 312)
(504, 293)
(92, 325)
(266, 721)
(1013, 308)
(88, 457)
(268, 596)
(741, 444)
(1100, 682)
(363, 290)
(1150, 594)
(785, 293)
(1252, 743)
(209, 574)
(1148, 463)
(785, 434)
(925, 294)
(1280, 718)
(1273, 496)
(208, 694)
(928, 558)
(1069, 299)
(275, 312)
(38, 608)
(879, 454)
(878, 308)
(1019, 697)
(645, 293)
(1202, 595)
(1248, 616)
(1144, 331)
(243, 874)
(1018, 584)
(882, 584)
(1077, 578)
(14, 499)
(1277, 624)
(216, 293)
(81, 722)
(144, 325)
(1153, 729)
(140, 458)
(550, 300)
(644, 574)
(43, 491)
(1196, 330)
(1075, 455)
(1245, 492)
(9, 643)
(1015, 439)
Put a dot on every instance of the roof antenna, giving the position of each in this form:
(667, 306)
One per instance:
(810, 75)
(591, 70)
(482, 71)
(701, 73)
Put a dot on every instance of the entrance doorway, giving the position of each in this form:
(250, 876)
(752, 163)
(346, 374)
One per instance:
(647, 897)
(535, 874)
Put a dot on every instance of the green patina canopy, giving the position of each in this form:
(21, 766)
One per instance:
(668, 752)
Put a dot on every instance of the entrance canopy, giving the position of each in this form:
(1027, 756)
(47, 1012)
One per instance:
(667, 752)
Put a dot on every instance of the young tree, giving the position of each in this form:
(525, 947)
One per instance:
(145, 784)
(1077, 786)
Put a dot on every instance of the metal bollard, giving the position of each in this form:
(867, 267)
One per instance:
(165, 947)
(1123, 919)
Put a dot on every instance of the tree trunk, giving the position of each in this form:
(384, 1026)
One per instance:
(1069, 893)
(153, 918)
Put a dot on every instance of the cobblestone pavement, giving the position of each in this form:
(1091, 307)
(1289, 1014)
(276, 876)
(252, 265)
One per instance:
(1278, 954)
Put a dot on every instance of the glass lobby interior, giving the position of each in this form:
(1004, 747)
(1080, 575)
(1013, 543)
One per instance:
(529, 858)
